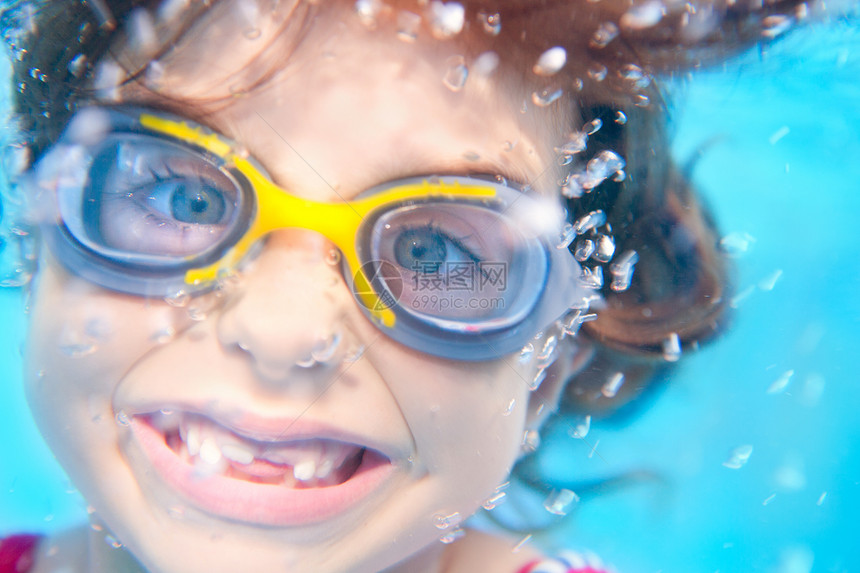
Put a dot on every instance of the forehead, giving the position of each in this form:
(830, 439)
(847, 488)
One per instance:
(261, 77)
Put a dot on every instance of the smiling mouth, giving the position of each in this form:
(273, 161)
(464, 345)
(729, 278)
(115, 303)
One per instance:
(258, 478)
(212, 448)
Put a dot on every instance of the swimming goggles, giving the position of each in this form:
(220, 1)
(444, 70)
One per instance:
(153, 205)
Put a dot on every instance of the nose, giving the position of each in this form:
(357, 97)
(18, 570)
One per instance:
(288, 312)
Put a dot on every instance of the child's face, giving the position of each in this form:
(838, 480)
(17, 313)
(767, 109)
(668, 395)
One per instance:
(349, 110)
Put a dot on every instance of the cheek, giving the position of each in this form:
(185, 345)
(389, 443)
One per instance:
(81, 342)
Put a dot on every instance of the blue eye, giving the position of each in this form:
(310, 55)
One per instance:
(420, 250)
(192, 202)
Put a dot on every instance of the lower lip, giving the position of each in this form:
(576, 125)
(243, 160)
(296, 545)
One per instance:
(263, 504)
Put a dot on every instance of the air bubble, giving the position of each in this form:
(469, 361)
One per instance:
(593, 126)
(590, 221)
(527, 353)
(163, 335)
(613, 385)
(354, 354)
(622, 270)
(456, 74)
(620, 117)
(531, 441)
(179, 299)
(408, 24)
(453, 535)
(546, 96)
(333, 257)
(521, 543)
(604, 249)
(781, 383)
(672, 348)
(447, 19)
(604, 34)
(601, 166)
(643, 16)
(559, 501)
(485, 64)
(547, 353)
(122, 418)
(78, 65)
(509, 408)
(736, 244)
(738, 457)
(568, 234)
(330, 346)
(112, 541)
(574, 322)
(442, 521)
(537, 380)
(597, 72)
(491, 22)
(576, 143)
(143, 38)
(551, 61)
(581, 429)
(494, 500)
(368, 11)
(77, 344)
(776, 25)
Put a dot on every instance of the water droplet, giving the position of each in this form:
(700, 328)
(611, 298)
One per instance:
(644, 15)
(605, 33)
(672, 348)
(551, 61)
(620, 117)
(779, 385)
(122, 418)
(443, 521)
(581, 429)
(589, 221)
(509, 408)
(738, 457)
(605, 249)
(568, 234)
(546, 96)
(559, 501)
(527, 353)
(456, 74)
(408, 24)
(597, 72)
(613, 385)
(446, 19)
(179, 299)
(531, 441)
(453, 535)
(491, 22)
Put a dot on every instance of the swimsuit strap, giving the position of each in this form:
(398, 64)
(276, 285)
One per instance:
(565, 562)
(17, 553)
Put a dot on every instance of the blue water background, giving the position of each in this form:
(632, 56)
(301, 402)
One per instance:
(781, 164)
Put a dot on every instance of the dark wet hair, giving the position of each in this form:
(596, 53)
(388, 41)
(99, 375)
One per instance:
(680, 286)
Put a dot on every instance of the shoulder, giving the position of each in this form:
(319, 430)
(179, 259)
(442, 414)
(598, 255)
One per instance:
(17, 553)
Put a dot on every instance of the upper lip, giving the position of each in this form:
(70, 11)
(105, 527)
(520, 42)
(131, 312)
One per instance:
(271, 429)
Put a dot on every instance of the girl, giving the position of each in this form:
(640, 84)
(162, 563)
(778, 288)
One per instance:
(313, 274)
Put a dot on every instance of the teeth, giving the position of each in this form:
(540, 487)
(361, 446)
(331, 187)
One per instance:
(313, 462)
(305, 470)
(237, 453)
